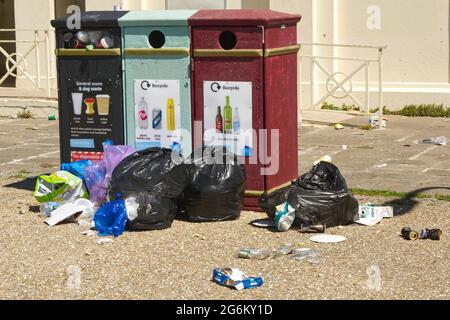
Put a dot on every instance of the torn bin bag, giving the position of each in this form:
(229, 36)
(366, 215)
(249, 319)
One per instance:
(216, 188)
(155, 181)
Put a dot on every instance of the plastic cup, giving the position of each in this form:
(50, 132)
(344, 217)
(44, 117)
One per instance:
(77, 100)
(103, 104)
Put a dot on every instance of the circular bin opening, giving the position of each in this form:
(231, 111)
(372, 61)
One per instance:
(227, 40)
(156, 39)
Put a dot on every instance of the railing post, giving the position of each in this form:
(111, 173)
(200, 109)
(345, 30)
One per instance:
(38, 66)
(47, 55)
(367, 97)
(313, 81)
(380, 87)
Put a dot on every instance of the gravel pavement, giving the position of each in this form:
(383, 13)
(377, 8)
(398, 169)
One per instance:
(39, 262)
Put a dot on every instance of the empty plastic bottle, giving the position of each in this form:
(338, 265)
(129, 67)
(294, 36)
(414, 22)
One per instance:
(257, 254)
(311, 255)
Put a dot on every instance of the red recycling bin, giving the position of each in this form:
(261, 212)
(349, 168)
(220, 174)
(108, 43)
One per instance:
(244, 75)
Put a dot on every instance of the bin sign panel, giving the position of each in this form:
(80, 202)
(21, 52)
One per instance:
(228, 116)
(90, 113)
(158, 114)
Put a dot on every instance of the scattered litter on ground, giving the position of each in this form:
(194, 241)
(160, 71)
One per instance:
(369, 221)
(284, 217)
(344, 147)
(255, 254)
(311, 255)
(21, 211)
(68, 210)
(433, 234)
(327, 238)
(264, 223)
(338, 126)
(84, 224)
(369, 210)
(199, 237)
(382, 165)
(323, 159)
(284, 250)
(318, 228)
(374, 121)
(104, 241)
(439, 141)
(60, 186)
(88, 233)
(51, 118)
(235, 278)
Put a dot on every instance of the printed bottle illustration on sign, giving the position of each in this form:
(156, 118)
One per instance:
(170, 115)
(236, 121)
(219, 121)
(228, 115)
(143, 114)
(157, 119)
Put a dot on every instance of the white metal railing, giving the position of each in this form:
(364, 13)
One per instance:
(339, 84)
(34, 49)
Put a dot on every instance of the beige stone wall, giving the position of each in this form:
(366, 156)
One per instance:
(416, 62)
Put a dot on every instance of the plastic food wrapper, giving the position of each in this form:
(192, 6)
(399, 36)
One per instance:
(155, 182)
(111, 218)
(60, 186)
(235, 278)
(320, 196)
(217, 186)
(76, 168)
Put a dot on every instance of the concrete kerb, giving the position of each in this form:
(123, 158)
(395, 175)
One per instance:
(40, 108)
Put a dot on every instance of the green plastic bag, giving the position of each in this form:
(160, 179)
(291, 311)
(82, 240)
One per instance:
(60, 186)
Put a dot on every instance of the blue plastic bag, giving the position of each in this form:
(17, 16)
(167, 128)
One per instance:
(76, 168)
(111, 218)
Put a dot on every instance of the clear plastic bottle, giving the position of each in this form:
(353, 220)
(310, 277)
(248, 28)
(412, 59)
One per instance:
(257, 254)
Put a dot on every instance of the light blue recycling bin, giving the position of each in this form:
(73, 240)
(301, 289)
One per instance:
(157, 79)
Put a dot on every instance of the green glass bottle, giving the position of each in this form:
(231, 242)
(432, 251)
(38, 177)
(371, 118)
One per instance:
(228, 115)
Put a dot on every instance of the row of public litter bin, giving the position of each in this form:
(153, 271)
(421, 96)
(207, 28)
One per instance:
(138, 77)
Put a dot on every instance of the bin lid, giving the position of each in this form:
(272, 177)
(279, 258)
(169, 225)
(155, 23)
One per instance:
(164, 18)
(93, 19)
(242, 17)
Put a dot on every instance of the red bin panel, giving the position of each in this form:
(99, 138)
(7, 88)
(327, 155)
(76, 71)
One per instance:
(264, 54)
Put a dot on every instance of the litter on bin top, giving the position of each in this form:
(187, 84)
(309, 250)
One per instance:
(93, 19)
(242, 17)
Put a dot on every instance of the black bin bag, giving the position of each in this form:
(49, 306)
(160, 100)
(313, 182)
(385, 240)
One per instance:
(155, 182)
(320, 196)
(216, 188)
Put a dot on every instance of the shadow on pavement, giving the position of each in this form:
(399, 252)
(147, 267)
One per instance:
(27, 184)
(408, 202)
